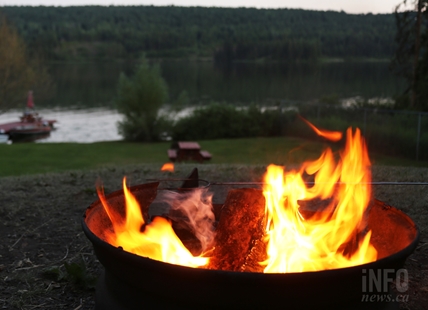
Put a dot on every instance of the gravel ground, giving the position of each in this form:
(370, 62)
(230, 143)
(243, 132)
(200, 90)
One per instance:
(46, 262)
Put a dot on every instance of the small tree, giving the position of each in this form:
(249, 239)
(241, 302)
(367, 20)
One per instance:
(139, 99)
(18, 73)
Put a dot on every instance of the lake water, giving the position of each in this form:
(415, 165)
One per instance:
(77, 125)
(82, 100)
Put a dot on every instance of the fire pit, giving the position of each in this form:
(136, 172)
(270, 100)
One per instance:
(132, 282)
(309, 239)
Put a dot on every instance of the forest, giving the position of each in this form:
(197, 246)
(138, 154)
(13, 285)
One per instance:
(222, 34)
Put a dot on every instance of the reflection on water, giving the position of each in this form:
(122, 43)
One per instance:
(256, 82)
(82, 126)
(94, 84)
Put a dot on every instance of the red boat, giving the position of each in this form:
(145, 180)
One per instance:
(30, 127)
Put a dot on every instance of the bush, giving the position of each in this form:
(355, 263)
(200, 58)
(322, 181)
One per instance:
(217, 121)
(139, 99)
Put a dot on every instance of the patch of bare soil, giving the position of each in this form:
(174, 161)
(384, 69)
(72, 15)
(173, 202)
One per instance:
(46, 262)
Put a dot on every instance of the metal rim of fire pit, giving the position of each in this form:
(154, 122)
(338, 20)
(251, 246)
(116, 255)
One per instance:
(154, 283)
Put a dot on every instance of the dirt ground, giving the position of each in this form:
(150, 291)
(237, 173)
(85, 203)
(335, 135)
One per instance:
(46, 261)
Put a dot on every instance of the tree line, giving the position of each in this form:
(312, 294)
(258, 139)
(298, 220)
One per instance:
(225, 34)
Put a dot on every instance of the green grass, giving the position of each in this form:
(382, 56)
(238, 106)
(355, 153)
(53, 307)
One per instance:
(32, 158)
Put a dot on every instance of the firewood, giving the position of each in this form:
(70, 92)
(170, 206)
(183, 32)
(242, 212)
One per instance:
(309, 208)
(240, 231)
(256, 255)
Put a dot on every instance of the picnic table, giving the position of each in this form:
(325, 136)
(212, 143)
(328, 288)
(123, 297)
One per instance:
(187, 151)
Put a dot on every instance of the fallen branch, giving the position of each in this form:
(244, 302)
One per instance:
(28, 268)
(26, 232)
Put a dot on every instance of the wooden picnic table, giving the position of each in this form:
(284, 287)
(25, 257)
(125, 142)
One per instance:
(187, 151)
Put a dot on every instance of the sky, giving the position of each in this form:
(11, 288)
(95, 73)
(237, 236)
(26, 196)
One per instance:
(349, 6)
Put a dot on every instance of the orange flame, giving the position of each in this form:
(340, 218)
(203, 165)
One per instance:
(157, 241)
(168, 167)
(332, 238)
(330, 135)
(298, 239)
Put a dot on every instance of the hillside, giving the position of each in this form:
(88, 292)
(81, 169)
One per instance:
(93, 32)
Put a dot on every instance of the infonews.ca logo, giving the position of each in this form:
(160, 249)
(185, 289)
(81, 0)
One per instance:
(376, 282)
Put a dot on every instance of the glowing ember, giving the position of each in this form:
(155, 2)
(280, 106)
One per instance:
(168, 167)
(330, 135)
(332, 237)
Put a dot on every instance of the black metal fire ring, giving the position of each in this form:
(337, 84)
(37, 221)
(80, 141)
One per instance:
(178, 287)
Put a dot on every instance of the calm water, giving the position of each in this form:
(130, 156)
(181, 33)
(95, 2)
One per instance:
(83, 97)
(94, 84)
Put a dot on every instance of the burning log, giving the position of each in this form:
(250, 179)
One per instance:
(184, 231)
(239, 242)
(256, 255)
(186, 235)
(309, 208)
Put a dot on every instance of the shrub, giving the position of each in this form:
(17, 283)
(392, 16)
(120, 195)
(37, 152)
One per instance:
(139, 99)
(217, 121)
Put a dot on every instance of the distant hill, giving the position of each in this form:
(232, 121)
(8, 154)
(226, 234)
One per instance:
(225, 34)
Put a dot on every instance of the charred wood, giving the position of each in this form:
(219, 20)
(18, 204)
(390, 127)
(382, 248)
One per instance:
(240, 231)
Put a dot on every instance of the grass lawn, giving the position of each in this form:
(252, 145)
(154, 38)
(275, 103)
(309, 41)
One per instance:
(31, 158)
